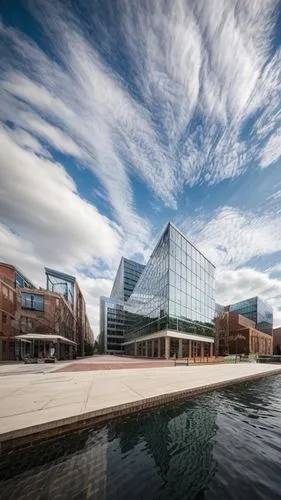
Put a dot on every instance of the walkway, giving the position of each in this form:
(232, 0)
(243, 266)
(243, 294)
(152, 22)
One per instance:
(32, 404)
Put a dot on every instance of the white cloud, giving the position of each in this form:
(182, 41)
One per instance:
(197, 71)
(272, 151)
(235, 285)
(231, 237)
(207, 63)
(38, 197)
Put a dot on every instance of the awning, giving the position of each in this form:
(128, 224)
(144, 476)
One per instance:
(45, 337)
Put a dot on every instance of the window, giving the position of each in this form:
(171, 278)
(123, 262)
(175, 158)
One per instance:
(4, 318)
(11, 295)
(32, 301)
(5, 291)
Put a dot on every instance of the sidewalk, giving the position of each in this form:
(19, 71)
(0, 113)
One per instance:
(40, 405)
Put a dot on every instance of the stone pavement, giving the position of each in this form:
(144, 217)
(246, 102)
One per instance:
(40, 402)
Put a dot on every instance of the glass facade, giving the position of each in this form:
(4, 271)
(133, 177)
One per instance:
(258, 311)
(126, 279)
(61, 283)
(22, 282)
(175, 290)
(112, 324)
(112, 314)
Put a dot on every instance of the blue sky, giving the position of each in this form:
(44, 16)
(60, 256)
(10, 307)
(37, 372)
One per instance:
(119, 116)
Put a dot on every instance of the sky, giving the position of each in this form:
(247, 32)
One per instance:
(117, 116)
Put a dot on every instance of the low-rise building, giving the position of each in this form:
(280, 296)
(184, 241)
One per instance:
(236, 334)
(33, 319)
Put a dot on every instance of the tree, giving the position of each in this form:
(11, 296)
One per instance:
(88, 348)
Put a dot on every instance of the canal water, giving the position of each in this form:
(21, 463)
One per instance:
(220, 446)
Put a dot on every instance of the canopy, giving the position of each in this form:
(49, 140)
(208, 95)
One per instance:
(45, 337)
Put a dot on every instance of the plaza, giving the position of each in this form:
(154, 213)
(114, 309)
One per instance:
(39, 402)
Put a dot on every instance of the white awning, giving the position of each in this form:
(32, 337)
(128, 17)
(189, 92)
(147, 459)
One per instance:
(45, 337)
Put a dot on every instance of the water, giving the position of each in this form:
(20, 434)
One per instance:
(223, 445)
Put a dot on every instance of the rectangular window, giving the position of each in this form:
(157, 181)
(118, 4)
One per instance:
(5, 291)
(32, 301)
(4, 318)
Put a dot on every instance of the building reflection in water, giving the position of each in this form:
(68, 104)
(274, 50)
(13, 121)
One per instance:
(169, 449)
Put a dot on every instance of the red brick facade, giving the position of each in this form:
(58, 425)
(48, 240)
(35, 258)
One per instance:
(54, 316)
(8, 304)
(236, 334)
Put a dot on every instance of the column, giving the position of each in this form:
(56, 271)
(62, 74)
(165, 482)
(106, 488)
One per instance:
(167, 347)
(146, 348)
(180, 348)
(211, 350)
(202, 350)
(152, 349)
(159, 348)
(190, 349)
(136, 349)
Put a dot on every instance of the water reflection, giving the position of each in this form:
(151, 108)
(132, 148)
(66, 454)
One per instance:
(226, 444)
(179, 442)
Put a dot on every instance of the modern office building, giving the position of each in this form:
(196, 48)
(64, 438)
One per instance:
(112, 325)
(112, 310)
(258, 311)
(126, 279)
(171, 310)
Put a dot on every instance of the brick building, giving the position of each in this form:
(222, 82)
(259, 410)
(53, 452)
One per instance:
(11, 279)
(234, 333)
(43, 312)
(25, 310)
(8, 304)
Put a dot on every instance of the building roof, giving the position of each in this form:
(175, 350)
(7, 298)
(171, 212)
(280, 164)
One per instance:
(11, 266)
(42, 336)
(59, 274)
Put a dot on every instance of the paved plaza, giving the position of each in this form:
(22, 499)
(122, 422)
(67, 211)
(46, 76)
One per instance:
(47, 398)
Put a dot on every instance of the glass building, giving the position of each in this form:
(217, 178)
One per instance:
(112, 324)
(112, 313)
(126, 278)
(171, 310)
(258, 311)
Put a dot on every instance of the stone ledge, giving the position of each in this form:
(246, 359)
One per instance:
(28, 436)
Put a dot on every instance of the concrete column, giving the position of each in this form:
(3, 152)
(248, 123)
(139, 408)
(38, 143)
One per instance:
(167, 347)
(180, 348)
(159, 348)
(190, 348)
(136, 349)
(152, 349)
(211, 350)
(146, 348)
(202, 350)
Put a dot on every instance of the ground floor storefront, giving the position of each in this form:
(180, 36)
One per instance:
(168, 344)
(43, 346)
